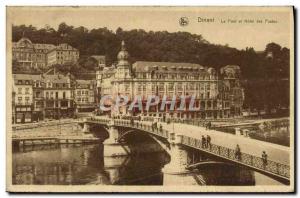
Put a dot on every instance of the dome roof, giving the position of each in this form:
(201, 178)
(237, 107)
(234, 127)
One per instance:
(123, 55)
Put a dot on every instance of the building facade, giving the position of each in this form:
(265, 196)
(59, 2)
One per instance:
(63, 53)
(37, 55)
(23, 98)
(218, 94)
(84, 95)
(30, 55)
(58, 94)
(45, 96)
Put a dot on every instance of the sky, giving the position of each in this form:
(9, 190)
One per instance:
(268, 24)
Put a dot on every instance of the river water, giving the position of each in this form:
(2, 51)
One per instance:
(79, 164)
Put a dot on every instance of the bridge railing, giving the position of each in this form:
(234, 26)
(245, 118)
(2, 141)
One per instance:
(246, 159)
(99, 120)
(142, 126)
(227, 153)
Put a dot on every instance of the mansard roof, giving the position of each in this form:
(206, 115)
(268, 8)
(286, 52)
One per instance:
(145, 66)
(27, 76)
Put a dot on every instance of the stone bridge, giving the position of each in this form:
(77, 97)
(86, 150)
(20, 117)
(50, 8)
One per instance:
(180, 140)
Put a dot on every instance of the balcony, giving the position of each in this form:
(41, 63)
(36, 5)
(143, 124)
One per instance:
(39, 98)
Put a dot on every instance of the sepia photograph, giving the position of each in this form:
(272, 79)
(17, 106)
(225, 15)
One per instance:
(150, 99)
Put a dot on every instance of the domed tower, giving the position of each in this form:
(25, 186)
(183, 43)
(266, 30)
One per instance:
(123, 66)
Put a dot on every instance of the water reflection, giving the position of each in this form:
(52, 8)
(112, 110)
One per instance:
(84, 164)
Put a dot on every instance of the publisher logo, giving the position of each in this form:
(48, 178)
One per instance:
(183, 21)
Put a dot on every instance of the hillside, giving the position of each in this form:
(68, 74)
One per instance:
(175, 47)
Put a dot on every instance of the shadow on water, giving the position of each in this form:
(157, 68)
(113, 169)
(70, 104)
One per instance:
(79, 164)
(83, 164)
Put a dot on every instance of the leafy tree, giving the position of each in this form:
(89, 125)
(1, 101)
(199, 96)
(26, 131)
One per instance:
(266, 78)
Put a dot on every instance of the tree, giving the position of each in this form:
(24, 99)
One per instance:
(260, 73)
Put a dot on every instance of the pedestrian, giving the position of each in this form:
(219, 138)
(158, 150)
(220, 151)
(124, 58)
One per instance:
(156, 126)
(209, 125)
(203, 142)
(238, 152)
(264, 158)
(131, 121)
(208, 140)
(160, 127)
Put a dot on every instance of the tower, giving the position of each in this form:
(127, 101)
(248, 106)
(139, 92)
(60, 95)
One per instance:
(123, 66)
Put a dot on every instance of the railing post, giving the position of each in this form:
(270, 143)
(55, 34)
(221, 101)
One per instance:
(228, 153)
(251, 160)
(219, 150)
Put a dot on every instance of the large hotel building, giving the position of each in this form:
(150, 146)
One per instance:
(38, 55)
(218, 94)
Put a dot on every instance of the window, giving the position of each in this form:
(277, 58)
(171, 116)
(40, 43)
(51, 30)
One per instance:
(56, 95)
(27, 100)
(208, 87)
(139, 88)
(179, 87)
(51, 95)
(201, 87)
(161, 87)
(19, 100)
(19, 90)
(78, 93)
(64, 95)
(47, 94)
(26, 90)
(37, 94)
(171, 87)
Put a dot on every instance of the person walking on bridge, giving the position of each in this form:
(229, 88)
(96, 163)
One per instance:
(237, 152)
(203, 142)
(264, 158)
(131, 121)
(209, 125)
(208, 140)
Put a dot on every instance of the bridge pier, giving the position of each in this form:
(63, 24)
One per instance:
(86, 128)
(175, 173)
(112, 147)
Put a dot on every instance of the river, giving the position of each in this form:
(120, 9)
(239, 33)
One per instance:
(78, 164)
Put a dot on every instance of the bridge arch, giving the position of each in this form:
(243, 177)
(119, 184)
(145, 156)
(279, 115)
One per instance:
(136, 134)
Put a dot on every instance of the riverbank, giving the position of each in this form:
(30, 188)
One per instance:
(67, 132)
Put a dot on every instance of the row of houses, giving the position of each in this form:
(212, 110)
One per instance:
(51, 95)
